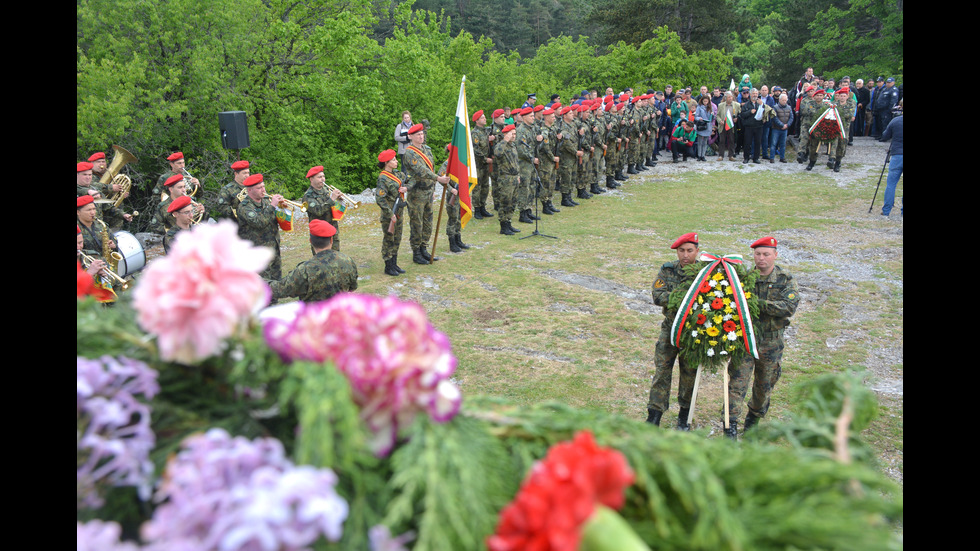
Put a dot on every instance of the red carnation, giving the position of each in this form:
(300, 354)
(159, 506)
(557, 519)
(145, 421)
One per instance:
(701, 319)
(717, 304)
(560, 494)
(729, 326)
(705, 286)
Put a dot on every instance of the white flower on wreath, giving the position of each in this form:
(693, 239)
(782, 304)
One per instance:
(731, 336)
(712, 283)
(720, 294)
(711, 352)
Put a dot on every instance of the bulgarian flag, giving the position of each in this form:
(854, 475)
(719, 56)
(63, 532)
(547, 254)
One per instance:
(729, 123)
(462, 168)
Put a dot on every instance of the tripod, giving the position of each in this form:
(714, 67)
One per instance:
(887, 158)
(537, 194)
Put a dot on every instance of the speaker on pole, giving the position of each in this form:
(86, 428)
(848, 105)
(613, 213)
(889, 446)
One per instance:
(234, 129)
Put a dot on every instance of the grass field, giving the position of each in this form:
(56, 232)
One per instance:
(571, 319)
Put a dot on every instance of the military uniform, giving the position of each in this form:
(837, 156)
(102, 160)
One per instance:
(453, 220)
(386, 193)
(227, 204)
(547, 151)
(778, 298)
(506, 176)
(421, 183)
(168, 239)
(320, 207)
(481, 150)
(567, 146)
(257, 223)
(808, 114)
(525, 153)
(329, 272)
(162, 221)
(671, 277)
(839, 146)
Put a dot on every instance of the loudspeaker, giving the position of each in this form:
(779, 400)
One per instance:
(234, 129)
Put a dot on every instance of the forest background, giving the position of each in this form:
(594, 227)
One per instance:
(325, 81)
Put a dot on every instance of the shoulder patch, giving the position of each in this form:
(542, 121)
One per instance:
(659, 283)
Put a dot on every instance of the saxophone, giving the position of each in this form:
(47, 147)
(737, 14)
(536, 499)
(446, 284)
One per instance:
(111, 257)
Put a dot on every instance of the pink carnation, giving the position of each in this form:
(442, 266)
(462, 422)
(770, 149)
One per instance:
(396, 362)
(203, 292)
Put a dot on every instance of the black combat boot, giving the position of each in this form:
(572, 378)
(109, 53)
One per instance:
(566, 200)
(503, 228)
(750, 421)
(653, 416)
(810, 166)
(525, 218)
(830, 162)
(594, 189)
(426, 255)
(651, 162)
(390, 267)
(544, 208)
(532, 216)
(453, 247)
(418, 258)
(631, 170)
(732, 430)
(552, 208)
(511, 227)
(477, 214)
(837, 165)
(620, 176)
(459, 242)
(394, 263)
(682, 420)
(582, 194)
(485, 212)
(610, 182)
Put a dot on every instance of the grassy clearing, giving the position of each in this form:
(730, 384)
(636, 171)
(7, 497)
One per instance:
(571, 319)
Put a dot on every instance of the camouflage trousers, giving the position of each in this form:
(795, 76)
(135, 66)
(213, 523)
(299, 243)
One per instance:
(525, 190)
(813, 147)
(766, 370)
(391, 241)
(633, 151)
(663, 359)
(566, 174)
(504, 188)
(453, 221)
(548, 179)
(582, 172)
(482, 191)
(613, 159)
(419, 218)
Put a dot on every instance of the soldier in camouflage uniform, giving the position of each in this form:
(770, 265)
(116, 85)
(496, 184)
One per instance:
(598, 146)
(507, 177)
(320, 203)
(567, 136)
(389, 191)
(495, 138)
(257, 223)
(480, 136)
(633, 132)
(422, 178)
(329, 272)
(778, 298)
(525, 141)
(813, 144)
(548, 153)
(176, 161)
(584, 153)
(845, 108)
(182, 212)
(672, 277)
(613, 143)
(162, 220)
(453, 220)
(86, 185)
(808, 111)
(228, 201)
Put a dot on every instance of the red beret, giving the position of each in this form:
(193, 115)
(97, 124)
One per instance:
(314, 171)
(594, 107)
(767, 241)
(508, 128)
(175, 156)
(499, 113)
(844, 90)
(516, 111)
(239, 165)
(178, 203)
(173, 180)
(526, 111)
(819, 91)
(77, 229)
(565, 110)
(96, 156)
(416, 128)
(386, 155)
(477, 115)
(83, 200)
(321, 228)
(686, 238)
(538, 107)
(83, 166)
(252, 180)
(607, 99)
(549, 111)
(556, 105)
(808, 87)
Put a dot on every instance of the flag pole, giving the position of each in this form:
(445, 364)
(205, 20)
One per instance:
(435, 233)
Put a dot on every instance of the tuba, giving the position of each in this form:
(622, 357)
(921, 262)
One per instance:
(112, 176)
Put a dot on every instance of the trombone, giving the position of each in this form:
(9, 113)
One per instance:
(88, 260)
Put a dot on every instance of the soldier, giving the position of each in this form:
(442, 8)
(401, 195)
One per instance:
(525, 141)
(813, 144)
(420, 168)
(323, 205)
(480, 135)
(845, 108)
(176, 161)
(598, 144)
(506, 179)
(257, 223)
(390, 197)
(778, 298)
(85, 185)
(567, 136)
(613, 142)
(86, 215)
(548, 169)
(228, 195)
(183, 214)
(329, 271)
(453, 220)
(162, 220)
(672, 276)
(808, 109)
(496, 136)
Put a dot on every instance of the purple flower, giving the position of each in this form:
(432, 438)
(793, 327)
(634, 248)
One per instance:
(114, 438)
(396, 362)
(381, 540)
(221, 492)
(96, 535)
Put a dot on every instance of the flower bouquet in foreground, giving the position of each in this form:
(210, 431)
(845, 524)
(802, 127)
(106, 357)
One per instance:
(340, 425)
(713, 324)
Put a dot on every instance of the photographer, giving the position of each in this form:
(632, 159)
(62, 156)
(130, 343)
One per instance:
(401, 134)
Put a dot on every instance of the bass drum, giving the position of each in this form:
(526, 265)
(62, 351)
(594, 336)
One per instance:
(133, 256)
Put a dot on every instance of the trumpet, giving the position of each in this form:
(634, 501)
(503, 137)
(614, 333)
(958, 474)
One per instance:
(344, 198)
(88, 260)
(286, 202)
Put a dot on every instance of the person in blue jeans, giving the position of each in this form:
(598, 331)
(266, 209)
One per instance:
(781, 120)
(896, 166)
